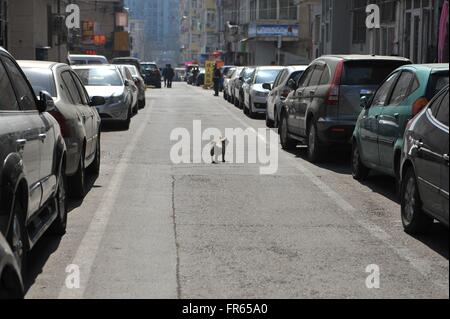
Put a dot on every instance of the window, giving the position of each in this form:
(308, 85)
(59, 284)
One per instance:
(317, 74)
(296, 76)
(288, 10)
(72, 87)
(24, 93)
(304, 80)
(325, 76)
(443, 115)
(41, 80)
(367, 72)
(82, 91)
(268, 9)
(8, 101)
(359, 21)
(383, 92)
(402, 88)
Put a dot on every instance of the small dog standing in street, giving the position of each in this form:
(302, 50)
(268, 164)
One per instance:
(218, 147)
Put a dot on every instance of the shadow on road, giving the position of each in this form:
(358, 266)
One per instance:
(49, 244)
(339, 161)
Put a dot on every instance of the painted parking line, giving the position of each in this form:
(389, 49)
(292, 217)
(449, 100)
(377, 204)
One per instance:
(90, 244)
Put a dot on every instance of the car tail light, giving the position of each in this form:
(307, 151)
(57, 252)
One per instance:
(418, 105)
(61, 121)
(332, 97)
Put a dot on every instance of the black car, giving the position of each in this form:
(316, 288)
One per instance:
(11, 286)
(151, 74)
(32, 163)
(424, 168)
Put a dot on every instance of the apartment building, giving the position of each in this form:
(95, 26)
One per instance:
(137, 38)
(408, 28)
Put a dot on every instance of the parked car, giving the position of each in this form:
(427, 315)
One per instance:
(189, 71)
(140, 83)
(255, 95)
(107, 82)
(323, 109)
(180, 74)
(11, 284)
(83, 59)
(129, 61)
(281, 88)
(378, 136)
(424, 167)
(238, 86)
(77, 117)
(200, 79)
(32, 163)
(227, 79)
(127, 76)
(224, 71)
(152, 74)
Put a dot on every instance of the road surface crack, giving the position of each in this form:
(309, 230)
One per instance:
(177, 245)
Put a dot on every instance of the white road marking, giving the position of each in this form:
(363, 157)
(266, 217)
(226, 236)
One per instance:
(89, 246)
(421, 265)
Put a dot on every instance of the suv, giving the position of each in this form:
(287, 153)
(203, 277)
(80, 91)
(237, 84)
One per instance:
(152, 74)
(32, 157)
(324, 107)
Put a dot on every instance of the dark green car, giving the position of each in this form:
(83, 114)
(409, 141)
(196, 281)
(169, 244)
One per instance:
(378, 136)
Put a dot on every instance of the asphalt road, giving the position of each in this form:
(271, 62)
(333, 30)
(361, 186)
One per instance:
(153, 229)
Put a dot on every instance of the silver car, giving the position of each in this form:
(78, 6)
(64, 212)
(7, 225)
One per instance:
(76, 115)
(125, 70)
(106, 81)
(81, 59)
(255, 96)
(279, 91)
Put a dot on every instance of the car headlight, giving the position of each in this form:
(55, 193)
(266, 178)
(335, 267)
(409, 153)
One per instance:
(115, 99)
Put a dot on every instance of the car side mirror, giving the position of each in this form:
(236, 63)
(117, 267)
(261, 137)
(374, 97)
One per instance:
(97, 101)
(364, 102)
(267, 86)
(45, 102)
(127, 83)
(292, 85)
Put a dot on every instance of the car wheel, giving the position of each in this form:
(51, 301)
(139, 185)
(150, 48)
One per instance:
(225, 96)
(315, 148)
(95, 166)
(17, 236)
(286, 142)
(414, 220)
(127, 122)
(77, 182)
(251, 114)
(359, 171)
(269, 122)
(59, 226)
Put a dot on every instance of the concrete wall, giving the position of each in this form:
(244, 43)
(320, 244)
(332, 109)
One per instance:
(28, 29)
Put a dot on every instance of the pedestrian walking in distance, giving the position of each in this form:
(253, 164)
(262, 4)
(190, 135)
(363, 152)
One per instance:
(217, 76)
(170, 74)
(164, 74)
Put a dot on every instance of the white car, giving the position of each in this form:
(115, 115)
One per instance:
(255, 95)
(279, 91)
(226, 83)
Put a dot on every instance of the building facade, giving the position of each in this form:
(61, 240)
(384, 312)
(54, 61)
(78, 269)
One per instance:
(37, 31)
(408, 28)
(103, 30)
(137, 36)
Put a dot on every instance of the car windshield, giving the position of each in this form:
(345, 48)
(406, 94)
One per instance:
(99, 77)
(149, 67)
(368, 72)
(266, 76)
(437, 82)
(41, 80)
(247, 73)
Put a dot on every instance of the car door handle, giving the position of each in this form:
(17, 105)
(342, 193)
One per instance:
(446, 158)
(42, 136)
